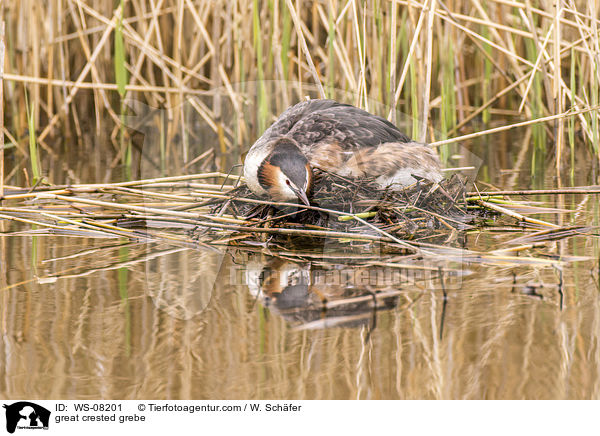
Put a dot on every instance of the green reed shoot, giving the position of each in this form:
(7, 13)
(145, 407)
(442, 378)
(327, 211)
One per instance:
(538, 131)
(121, 80)
(33, 149)
(448, 103)
(286, 36)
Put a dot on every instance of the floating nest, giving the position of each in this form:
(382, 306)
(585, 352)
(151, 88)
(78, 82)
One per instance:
(423, 209)
(204, 210)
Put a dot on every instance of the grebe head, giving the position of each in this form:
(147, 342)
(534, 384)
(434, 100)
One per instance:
(285, 173)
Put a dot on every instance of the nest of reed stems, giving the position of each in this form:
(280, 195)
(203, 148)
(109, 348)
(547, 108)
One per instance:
(208, 210)
(421, 210)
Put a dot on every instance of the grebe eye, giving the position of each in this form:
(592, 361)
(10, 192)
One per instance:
(287, 182)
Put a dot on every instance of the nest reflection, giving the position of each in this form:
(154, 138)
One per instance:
(313, 296)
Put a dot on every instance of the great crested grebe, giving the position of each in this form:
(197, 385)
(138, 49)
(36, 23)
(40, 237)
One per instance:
(336, 138)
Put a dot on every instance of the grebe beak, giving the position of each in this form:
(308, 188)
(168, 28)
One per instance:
(301, 194)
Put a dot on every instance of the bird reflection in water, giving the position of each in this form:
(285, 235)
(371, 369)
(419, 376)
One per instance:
(315, 297)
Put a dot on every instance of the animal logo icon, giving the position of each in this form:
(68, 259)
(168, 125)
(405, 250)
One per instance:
(24, 414)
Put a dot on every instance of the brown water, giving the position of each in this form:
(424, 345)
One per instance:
(158, 322)
(84, 318)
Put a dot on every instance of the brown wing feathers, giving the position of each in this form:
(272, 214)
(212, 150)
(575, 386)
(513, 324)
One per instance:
(349, 126)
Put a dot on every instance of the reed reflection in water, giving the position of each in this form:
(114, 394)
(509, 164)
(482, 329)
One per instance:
(106, 319)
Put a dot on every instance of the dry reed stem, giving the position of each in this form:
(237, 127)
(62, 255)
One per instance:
(512, 56)
(409, 57)
(341, 52)
(102, 86)
(516, 215)
(542, 13)
(535, 68)
(300, 33)
(80, 26)
(568, 113)
(31, 222)
(361, 99)
(98, 227)
(274, 231)
(508, 44)
(562, 191)
(141, 209)
(491, 101)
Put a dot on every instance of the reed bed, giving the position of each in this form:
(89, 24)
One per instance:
(443, 70)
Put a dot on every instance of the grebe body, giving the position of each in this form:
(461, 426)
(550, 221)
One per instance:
(336, 138)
